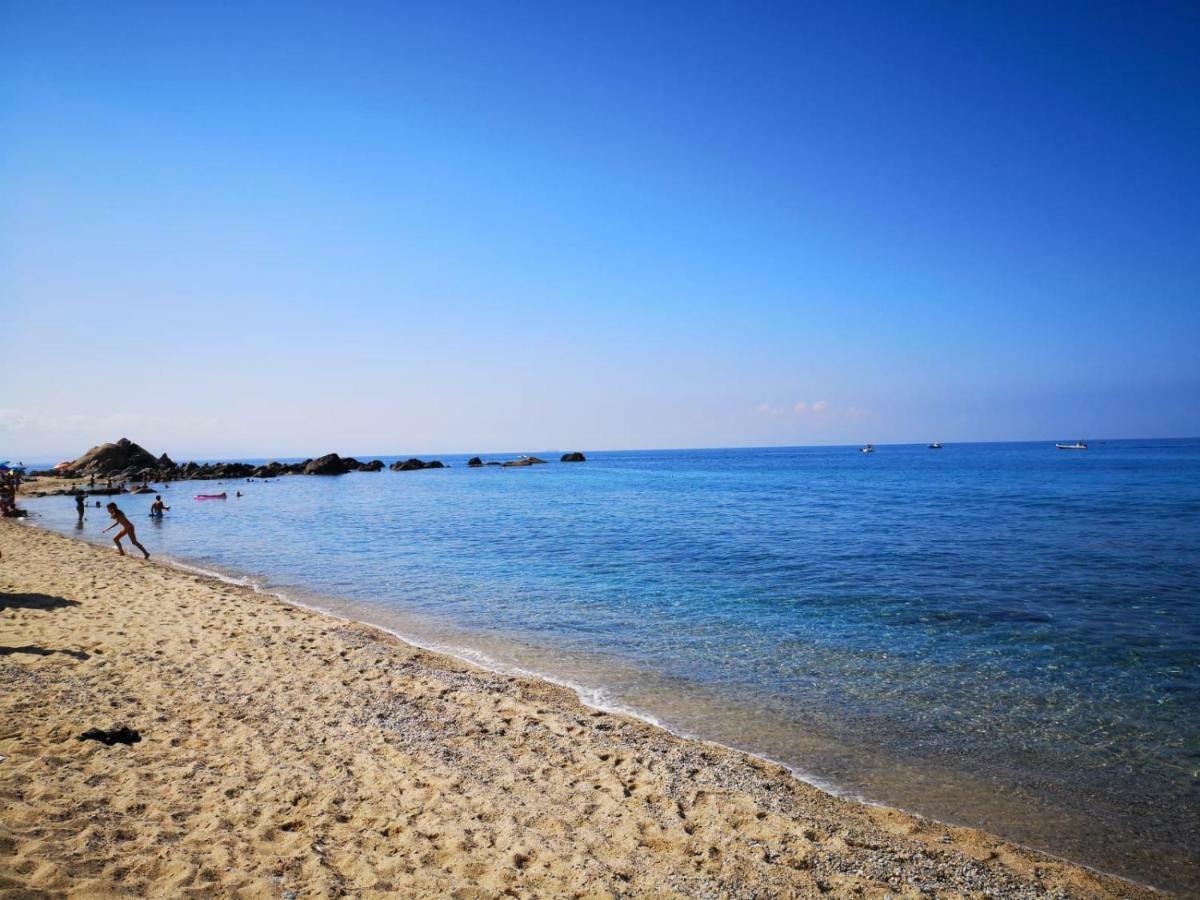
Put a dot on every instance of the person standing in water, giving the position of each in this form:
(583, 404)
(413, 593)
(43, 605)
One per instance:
(127, 530)
(79, 506)
(157, 507)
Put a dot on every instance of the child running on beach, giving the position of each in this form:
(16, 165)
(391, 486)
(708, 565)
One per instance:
(126, 530)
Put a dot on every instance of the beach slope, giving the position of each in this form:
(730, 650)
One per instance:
(285, 751)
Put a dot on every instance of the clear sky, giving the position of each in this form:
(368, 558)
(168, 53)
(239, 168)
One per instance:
(255, 229)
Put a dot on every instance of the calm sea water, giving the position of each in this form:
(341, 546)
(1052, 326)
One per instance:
(999, 635)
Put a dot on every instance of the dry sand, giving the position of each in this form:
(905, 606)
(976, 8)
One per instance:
(287, 753)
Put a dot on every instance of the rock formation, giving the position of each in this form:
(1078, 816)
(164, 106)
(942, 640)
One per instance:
(111, 460)
(329, 464)
(410, 465)
(127, 461)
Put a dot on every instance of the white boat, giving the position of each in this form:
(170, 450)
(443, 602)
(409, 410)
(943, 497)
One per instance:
(1078, 445)
(935, 446)
(869, 448)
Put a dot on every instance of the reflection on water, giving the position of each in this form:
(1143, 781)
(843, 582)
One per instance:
(996, 635)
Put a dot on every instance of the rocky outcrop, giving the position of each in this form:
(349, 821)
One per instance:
(574, 457)
(474, 462)
(126, 461)
(329, 464)
(524, 461)
(112, 460)
(410, 465)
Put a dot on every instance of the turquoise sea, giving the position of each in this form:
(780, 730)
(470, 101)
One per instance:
(999, 635)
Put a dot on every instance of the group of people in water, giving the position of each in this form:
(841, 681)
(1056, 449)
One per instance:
(127, 529)
(157, 508)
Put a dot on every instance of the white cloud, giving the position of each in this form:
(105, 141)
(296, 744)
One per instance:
(815, 413)
(775, 412)
(811, 408)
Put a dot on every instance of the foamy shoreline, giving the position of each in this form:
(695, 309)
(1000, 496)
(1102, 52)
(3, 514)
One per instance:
(441, 779)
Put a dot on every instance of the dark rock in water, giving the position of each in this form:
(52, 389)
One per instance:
(329, 464)
(574, 457)
(274, 469)
(524, 461)
(407, 465)
(224, 470)
(410, 465)
(120, 735)
(474, 462)
(493, 463)
(373, 466)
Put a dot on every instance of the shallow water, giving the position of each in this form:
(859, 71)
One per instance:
(1000, 635)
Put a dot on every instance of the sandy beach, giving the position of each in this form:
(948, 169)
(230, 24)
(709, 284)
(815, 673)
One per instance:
(287, 753)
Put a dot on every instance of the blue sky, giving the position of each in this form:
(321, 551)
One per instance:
(380, 228)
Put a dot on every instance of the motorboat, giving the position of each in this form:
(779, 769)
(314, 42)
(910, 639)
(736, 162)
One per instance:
(868, 448)
(1078, 445)
(935, 446)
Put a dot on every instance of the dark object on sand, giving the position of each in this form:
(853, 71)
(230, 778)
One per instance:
(119, 735)
(574, 457)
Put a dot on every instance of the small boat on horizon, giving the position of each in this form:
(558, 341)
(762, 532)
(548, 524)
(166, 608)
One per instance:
(1078, 445)
(868, 448)
(935, 446)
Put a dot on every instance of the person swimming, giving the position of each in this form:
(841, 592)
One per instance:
(157, 507)
(127, 530)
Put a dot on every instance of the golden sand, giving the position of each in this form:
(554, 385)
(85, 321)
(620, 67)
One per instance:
(284, 752)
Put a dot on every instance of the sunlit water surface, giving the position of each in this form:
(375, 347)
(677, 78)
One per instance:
(1000, 635)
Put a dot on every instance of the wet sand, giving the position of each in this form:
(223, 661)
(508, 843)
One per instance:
(286, 751)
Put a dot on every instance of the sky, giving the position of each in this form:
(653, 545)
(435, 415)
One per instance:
(236, 230)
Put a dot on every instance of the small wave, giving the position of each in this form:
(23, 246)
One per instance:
(590, 696)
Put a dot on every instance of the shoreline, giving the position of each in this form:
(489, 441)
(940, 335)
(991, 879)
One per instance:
(863, 841)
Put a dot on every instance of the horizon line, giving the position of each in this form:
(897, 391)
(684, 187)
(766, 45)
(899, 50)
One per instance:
(549, 450)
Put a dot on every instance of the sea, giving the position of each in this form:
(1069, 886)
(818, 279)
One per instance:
(1003, 635)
